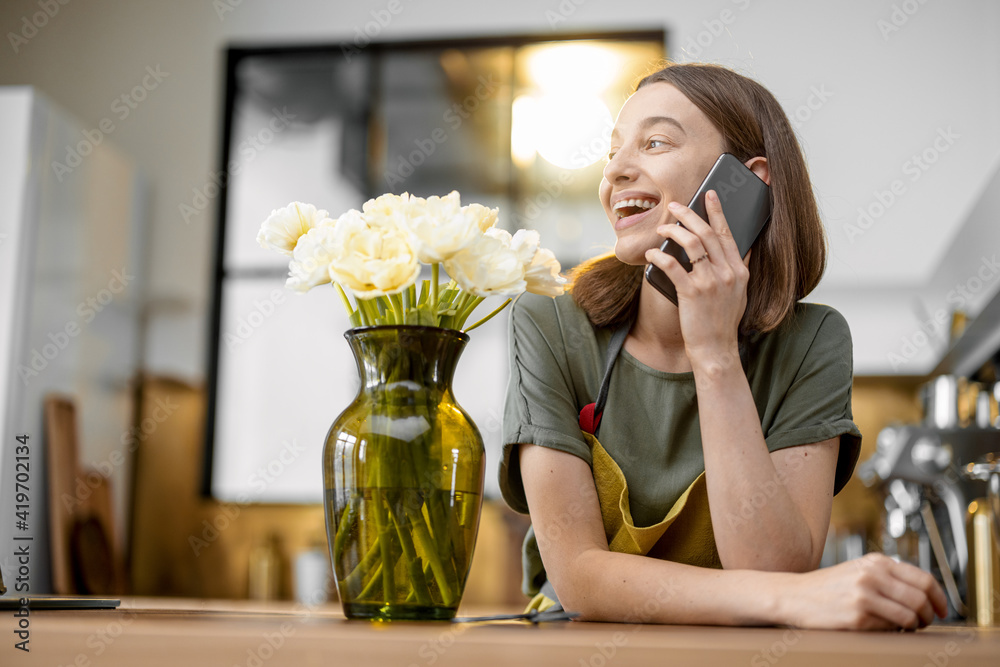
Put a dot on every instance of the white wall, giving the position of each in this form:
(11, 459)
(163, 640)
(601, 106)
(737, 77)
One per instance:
(878, 98)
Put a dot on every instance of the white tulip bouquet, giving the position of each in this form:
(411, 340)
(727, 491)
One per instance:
(401, 529)
(374, 255)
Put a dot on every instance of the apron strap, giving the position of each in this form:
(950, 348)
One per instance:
(590, 415)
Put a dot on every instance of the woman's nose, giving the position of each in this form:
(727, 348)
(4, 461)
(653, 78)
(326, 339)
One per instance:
(621, 167)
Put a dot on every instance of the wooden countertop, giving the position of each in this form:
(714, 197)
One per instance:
(151, 631)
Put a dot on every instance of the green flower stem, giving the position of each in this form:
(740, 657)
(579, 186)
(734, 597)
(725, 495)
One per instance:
(412, 560)
(343, 528)
(429, 525)
(434, 287)
(385, 546)
(462, 302)
(447, 586)
(370, 310)
(373, 583)
(457, 535)
(409, 303)
(488, 317)
(441, 528)
(434, 511)
(389, 477)
(452, 304)
(470, 304)
(425, 291)
(353, 580)
(397, 305)
(346, 301)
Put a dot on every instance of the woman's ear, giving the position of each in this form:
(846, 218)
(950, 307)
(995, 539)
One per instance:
(758, 165)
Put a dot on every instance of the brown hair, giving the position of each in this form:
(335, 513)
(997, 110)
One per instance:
(789, 256)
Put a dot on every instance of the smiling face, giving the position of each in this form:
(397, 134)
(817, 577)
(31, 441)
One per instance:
(662, 148)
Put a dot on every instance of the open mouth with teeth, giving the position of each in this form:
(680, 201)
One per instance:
(629, 207)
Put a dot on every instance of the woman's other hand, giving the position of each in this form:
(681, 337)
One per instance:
(869, 593)
(712, 297)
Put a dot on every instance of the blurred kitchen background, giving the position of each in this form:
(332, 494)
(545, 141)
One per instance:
(176, 397)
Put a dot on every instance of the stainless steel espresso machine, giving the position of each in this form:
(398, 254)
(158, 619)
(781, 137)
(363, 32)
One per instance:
(941, 486)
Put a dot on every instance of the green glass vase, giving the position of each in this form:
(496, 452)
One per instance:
(403, 472)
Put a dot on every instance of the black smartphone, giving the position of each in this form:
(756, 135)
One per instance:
(746, 203)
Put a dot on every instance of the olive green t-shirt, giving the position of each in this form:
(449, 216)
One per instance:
(800, 377)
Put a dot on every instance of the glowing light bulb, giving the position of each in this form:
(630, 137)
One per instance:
(573, 131)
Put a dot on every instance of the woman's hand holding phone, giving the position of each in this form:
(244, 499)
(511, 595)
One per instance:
(712, 297)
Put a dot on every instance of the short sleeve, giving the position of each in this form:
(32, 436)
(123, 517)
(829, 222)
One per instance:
(817, 402)
(540, 406)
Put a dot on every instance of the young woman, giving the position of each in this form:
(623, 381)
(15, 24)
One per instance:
(725, 421)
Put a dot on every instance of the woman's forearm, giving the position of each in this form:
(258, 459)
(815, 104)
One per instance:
(756, 523)
(871, 593)
(607, 586)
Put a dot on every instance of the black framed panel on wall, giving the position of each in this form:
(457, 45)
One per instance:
(518, 122)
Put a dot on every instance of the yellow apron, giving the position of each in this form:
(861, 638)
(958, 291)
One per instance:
(684, 535)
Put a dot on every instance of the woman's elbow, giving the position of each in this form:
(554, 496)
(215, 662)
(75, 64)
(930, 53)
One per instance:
(578, 585)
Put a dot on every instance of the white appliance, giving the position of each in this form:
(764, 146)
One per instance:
(71, 211)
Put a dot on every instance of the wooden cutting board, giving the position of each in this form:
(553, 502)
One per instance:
(81, 528)
(61, 461)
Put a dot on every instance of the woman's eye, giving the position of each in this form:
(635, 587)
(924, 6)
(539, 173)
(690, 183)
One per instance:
(656, 143)
(611, 156)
